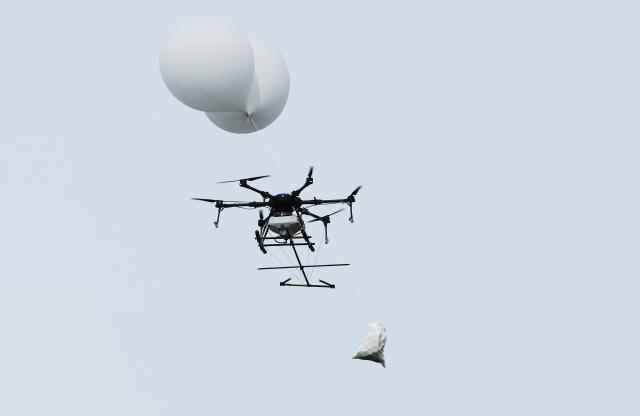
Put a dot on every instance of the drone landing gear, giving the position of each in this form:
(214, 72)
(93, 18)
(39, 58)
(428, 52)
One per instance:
(307, 240)
(324, 284)
(326, 233)
(300, 265)
(217, 221)
(260, 238)
(260, 244)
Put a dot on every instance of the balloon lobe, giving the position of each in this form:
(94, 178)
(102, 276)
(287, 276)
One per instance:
(207, 64)
(267, 97)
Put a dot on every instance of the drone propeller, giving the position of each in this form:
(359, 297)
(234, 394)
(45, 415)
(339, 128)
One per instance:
(325, 221)
(307, 182)
(217, 200)
(207, 200)
(350, 200)
(261, 221)
(255, 178)
(326, 218)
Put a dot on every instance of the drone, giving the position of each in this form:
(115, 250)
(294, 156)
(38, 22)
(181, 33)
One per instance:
(285, 224)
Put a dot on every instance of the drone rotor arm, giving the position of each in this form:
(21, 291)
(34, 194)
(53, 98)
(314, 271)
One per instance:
(264, 194)
(305, 211)
(307, 182)
(326, 218)
(232, 204)
(253, 204)
(244, 184)
(222, 205)
(316, 201)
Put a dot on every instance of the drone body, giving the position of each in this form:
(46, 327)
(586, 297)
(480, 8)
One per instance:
(286, 220)
(285, 224)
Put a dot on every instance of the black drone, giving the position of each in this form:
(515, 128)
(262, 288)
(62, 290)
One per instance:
(286, 221)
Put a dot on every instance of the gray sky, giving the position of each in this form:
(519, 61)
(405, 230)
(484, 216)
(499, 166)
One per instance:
(496, 236)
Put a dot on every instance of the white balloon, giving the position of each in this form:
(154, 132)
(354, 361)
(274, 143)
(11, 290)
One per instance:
(268, 95)
(207, 64)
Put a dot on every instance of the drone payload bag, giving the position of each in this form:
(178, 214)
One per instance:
(372, 347)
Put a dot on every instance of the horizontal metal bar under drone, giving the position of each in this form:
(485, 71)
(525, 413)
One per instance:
(283, 238)
(304, 267)
(286, 244)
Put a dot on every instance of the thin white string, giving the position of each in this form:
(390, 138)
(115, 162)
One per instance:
(425, 381)
(274, 156)
(250, 118)
(299, 274)
(308, 255)
(315, 258)
(296, 273)
(411, 364)
(276, 161)
(363, 298)
(276, 258)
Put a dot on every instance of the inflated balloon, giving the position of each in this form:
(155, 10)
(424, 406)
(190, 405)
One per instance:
(207, 64)
(268, 95)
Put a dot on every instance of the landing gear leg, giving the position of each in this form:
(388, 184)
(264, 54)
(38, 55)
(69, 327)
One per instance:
(298, 258)
(306, 239)
(326, 234)
(217, 221)
(259, 240)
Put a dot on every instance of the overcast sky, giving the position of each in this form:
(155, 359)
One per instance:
(496, 235)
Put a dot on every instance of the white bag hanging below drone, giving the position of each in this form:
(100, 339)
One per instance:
(372, 347)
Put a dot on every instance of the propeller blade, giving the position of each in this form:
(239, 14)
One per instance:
(326, 216)
(207, 200)
(355, 191)
(218, 200)
(254, 178)
(334, 212)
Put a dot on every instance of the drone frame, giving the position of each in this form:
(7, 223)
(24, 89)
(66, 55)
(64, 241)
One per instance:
(298, 206)
(300, 266)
